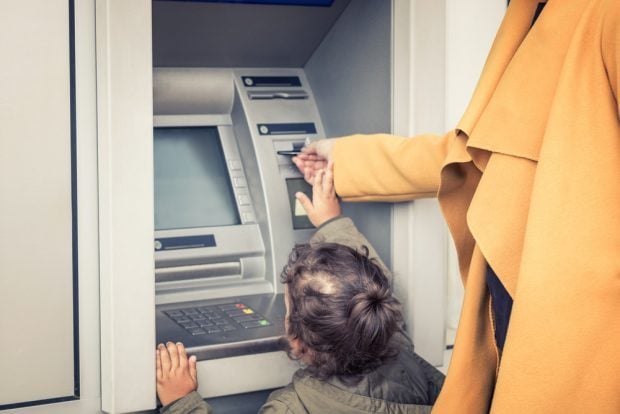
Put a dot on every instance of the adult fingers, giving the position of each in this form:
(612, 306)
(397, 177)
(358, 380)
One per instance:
(309, 175)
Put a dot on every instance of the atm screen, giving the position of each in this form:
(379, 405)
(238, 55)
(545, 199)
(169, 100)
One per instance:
(192, 184)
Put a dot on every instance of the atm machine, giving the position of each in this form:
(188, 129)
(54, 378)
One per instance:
(230, 111)
(226, 216)
(238, 89)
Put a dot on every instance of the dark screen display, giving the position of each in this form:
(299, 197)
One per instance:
(192, 184)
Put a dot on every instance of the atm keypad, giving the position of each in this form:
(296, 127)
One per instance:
(203, 320)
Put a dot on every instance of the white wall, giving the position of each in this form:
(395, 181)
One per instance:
(419, 253)
(439, 50)
(470, 30)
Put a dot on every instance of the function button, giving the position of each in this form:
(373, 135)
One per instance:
(197, 331)
(244, 199)
(227, 328)
(182, 319)
(205, 323)
(174, 313)
(239, 312)
(188, 325)
(239, 182)
(246, 318)
(230, 306)
(213, 329)
(235, 164)
(198, 317)
(251, 324)
(220, 322)
(190, 311)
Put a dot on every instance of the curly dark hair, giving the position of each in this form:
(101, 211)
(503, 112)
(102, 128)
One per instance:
(341, 309)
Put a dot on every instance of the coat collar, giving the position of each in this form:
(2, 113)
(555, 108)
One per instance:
(524, 66)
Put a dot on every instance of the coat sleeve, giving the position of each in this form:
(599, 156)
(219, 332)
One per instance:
(384, 167)
(610, 46)
(192, 403)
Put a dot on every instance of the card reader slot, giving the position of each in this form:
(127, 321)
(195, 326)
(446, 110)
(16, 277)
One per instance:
(268, 95)
(168, 274)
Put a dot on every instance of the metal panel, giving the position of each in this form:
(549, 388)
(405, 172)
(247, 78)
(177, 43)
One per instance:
(350, 74)
(193, 34)
(125, 135)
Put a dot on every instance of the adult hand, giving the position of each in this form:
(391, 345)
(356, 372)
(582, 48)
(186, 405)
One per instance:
(324, 204)
(176, 373)
(314, 157)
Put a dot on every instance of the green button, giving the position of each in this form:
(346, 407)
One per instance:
(264, 322)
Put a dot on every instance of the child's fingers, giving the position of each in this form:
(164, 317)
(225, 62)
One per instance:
(158, 371)
(192, 368)
(165, 359)
(174, 355)
(305, 202)
(182, 355)
(317, 188)
(328, 179)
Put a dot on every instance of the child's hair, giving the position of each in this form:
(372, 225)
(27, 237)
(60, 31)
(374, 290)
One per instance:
(341, 309)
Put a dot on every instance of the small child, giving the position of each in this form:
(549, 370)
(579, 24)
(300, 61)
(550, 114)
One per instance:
(342, 323)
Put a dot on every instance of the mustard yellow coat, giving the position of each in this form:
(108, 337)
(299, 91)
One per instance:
(530, 182)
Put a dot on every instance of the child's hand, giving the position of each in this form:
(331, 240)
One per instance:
(176, 373)
(324, 204)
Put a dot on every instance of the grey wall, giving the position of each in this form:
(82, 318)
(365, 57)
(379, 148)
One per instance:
(350, 75)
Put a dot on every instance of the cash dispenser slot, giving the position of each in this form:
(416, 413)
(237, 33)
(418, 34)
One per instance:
(268, 95)
(168, 274)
